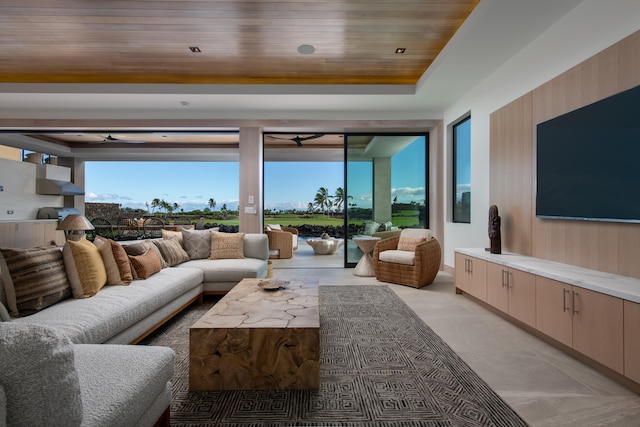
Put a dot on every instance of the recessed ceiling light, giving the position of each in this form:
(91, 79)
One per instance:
(184, 103)
(401, 50)
(195, 49)
(306, 49)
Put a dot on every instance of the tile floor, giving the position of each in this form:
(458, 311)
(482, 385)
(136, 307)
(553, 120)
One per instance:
(544, 385)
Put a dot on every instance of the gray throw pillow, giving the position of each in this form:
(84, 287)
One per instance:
(38, 376)
(197, 243)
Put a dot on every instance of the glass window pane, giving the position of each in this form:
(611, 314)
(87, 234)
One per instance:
(462, 171)
(386, 186)
(190, 190)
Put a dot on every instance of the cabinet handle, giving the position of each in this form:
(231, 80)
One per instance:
(565, 291)
(466, 265)
(471, 267)
(573, 302)
(506, 282)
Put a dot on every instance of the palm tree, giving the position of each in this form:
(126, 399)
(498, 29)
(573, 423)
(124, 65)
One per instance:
(212, 203)
(310, 208)
(155, 203)
(323, 199)
(338, 199)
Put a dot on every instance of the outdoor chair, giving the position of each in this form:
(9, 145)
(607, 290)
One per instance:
(128, 229)
(153, 228)
(102, 227)
(182, 221)
(411, 259)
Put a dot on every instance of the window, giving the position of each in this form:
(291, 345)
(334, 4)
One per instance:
(386, 185)
(462, 171)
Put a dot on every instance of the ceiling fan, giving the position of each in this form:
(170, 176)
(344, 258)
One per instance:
(298, 139)
(110, 138)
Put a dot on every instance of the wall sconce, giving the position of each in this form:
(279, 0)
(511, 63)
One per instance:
(74, 226)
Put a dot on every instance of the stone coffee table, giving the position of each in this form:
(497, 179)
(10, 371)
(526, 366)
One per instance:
(256, 339)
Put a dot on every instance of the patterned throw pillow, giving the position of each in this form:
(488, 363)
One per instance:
(33, 278)
(171, 251)
(227, 245)
(91, 273)
(197, 243)
(146, 265)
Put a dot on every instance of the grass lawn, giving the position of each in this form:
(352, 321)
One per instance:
(403, 219)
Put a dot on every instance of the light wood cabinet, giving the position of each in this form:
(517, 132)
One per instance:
(589, 322)
(512, 291)
(632, 340)
(604, 327)
(471, 276)
(26, 234)
(598, 325)
(553, 310)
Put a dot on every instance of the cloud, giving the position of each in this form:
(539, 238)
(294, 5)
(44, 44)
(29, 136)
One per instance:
(408, 192)
(105, 197)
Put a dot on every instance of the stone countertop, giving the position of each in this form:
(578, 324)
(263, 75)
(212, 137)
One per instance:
(615, 285)
(249, 306)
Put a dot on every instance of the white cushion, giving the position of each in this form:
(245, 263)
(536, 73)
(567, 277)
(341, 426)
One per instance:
(397, 257)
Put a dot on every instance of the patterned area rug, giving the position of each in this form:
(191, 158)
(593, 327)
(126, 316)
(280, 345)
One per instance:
(380, 366)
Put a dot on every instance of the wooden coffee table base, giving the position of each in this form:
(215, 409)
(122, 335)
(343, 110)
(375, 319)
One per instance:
(257, 339)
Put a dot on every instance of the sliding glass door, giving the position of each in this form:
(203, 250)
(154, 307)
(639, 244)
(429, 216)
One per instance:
(386, 187)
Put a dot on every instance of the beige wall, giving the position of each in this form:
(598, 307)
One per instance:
(611, 247)
(18, 181)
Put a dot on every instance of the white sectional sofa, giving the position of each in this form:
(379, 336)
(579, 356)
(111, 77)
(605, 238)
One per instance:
(92, 322)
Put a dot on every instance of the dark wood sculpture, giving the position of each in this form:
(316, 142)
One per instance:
(494, 230)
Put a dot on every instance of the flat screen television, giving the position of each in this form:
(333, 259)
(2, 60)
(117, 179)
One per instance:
(588, 162)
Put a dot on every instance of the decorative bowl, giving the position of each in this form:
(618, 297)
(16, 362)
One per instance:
(273, 284)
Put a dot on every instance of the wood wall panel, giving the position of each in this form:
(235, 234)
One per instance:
(611, 247)
(511, 152)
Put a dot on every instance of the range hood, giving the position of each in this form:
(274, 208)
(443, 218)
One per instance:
(57, 187)
(56, 180)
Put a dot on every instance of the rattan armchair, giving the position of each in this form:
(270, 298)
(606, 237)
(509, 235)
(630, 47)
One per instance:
(281, 242)
(415, 269)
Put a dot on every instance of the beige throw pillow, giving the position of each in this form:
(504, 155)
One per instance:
(168, 234)
(226, 245)
(110, 264)
(409, 243)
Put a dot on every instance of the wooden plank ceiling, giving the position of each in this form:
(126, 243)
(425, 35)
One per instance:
(239, 41)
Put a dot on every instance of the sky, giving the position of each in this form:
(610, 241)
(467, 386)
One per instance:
(287, 185)
(192, 184)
